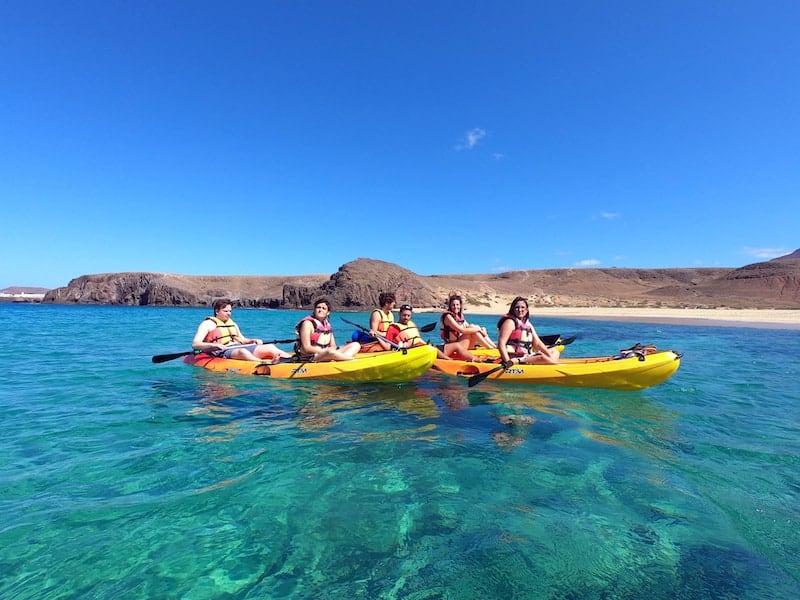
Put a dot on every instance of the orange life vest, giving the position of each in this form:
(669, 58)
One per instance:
(225, 332)
(385, 321)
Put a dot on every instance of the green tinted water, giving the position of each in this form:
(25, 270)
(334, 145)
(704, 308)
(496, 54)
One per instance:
(124, 479)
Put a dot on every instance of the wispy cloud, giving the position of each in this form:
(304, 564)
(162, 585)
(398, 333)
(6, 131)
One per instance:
(471, 138)
(587, 262)
(498, 156)
(764, 253)
(500, 267)
(610, 215)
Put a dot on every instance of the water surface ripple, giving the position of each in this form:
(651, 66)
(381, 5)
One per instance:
(124, 479)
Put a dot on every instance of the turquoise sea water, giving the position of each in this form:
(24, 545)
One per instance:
(124, 479)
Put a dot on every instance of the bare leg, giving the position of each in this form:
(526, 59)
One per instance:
(346, 352)
(460, 350)
(267, 351)
(543, 359)
(244, 354)
(483, 340)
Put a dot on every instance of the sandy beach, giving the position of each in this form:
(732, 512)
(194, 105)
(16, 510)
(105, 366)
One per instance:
(723, 317)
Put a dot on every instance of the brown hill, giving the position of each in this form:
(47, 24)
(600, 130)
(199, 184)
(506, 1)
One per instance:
(356, 285)
(15, 289)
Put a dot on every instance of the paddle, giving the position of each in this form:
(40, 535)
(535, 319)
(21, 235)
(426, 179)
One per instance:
(428, 328)
(380, 337)
(476, 379)
(160, 358)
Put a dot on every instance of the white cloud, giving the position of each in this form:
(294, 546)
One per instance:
(610, 215)
(587, 262)
(764, 253)
(502, 269)
(498, 156)
(471, 138)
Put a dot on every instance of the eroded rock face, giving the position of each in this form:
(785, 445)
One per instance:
(158, 289)
(121, 288)
(357, 285)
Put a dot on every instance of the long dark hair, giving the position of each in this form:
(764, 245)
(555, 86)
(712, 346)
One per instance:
(511, 310)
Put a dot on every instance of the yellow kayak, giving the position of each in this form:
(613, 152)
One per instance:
(393, 366)
(553, 341)
(634, 372)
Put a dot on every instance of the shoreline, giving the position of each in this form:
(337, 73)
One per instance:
(706, 317)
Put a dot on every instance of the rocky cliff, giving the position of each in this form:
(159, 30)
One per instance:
(163, 289)
(356, 285)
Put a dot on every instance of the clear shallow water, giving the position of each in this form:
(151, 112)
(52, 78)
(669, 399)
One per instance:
(121, 478)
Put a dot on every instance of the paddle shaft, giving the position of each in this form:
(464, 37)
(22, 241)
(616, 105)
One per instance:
(377, 335)
(160, 358)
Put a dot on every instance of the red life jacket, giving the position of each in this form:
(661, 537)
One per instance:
(519, 343)
(320, 337)
(448, 334)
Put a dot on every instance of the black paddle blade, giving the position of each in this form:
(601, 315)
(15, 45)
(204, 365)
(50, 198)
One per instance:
(428, 328)
(550, 339)
(476, 379)
(160, 358)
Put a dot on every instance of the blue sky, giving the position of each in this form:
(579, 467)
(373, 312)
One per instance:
(292, 137)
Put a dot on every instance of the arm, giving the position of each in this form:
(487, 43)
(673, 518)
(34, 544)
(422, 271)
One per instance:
(306, 347)
(240, 337)
(199, 336)
(502, 340)
(464, 329)
(374, 322)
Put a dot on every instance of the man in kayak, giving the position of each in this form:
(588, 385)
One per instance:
(518, 341)
(220, 335)
(315, 341)
(379, 322)
(405, 332)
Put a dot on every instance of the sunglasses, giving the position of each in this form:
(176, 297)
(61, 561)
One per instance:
(406, 307)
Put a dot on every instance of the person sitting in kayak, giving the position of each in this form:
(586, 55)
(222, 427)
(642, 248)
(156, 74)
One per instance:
(315, 341)
(460, 337)
(405, 332)
(518, 341)
(379, 322)
(220, 335)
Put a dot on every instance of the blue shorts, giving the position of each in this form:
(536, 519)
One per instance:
(230, 351)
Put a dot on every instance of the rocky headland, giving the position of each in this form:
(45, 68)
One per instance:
(773, 284)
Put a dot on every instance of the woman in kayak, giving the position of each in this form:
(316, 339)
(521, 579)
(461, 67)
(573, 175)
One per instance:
(518, 341)
(459, 336)
(220, 335)
(315, 341)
